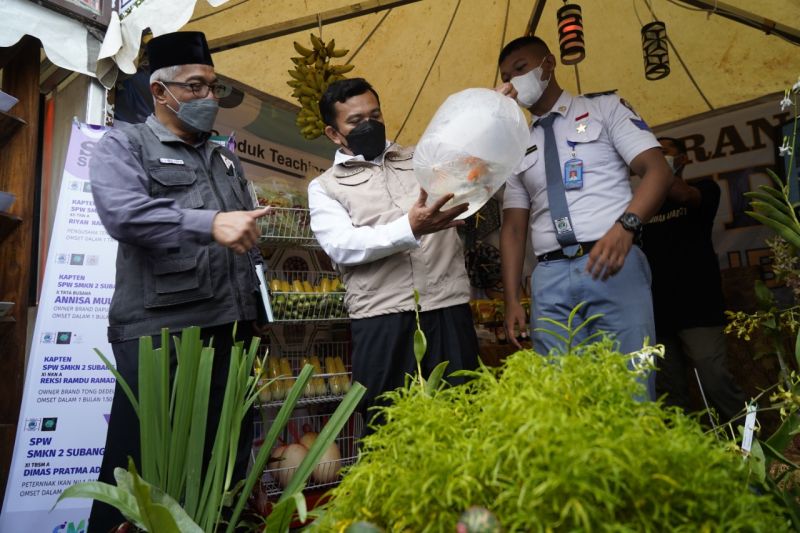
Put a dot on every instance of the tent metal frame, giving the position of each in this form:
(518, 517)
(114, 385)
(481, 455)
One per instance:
(747, 18)
(288, 27)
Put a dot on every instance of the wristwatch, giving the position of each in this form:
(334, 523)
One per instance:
(631, 222)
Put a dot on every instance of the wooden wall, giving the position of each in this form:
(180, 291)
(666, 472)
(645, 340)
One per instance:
(18, 176)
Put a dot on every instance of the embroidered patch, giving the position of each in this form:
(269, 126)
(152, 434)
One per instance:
(585, 115)
(562, 225)
(168, 161)
(641, 124)
(228, 162)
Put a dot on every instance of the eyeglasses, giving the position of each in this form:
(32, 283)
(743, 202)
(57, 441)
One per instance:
(201, 89)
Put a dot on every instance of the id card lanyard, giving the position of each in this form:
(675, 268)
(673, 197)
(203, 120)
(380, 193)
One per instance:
(573, 170)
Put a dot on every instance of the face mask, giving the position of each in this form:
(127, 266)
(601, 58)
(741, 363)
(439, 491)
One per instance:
(197, 116)
(530, 86)
(367, 139)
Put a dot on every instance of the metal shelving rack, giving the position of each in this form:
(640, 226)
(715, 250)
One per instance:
(332, 383)
(326, 474)
(287, 227)
(313, 298)
(312, 303)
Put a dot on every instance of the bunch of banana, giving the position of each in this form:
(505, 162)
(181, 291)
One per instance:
(310, 77)
(339, 383)
(279, 370)
(316, 385)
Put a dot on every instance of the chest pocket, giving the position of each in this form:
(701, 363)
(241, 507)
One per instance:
(353, 177)
(590, 146)
(176, 183)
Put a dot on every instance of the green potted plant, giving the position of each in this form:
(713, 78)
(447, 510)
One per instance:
(175, 492)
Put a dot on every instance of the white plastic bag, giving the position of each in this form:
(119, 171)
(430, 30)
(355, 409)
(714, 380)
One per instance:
(472, 144)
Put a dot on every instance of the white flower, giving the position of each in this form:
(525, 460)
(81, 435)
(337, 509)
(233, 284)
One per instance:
(644, 360)
(796, 86)
(785, 149)
(786, 102)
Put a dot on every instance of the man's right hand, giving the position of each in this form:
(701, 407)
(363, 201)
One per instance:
(506, 89)
(516, 322)
(237, 230)
(430, 219)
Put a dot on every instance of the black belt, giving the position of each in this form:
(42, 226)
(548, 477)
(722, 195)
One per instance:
(583, 249)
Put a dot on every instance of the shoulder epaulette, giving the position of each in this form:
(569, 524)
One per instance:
(603, 93)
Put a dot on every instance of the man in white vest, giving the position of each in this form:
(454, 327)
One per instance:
(370, 216)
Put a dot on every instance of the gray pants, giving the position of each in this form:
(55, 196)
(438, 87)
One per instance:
(704, 349)
(624, 301)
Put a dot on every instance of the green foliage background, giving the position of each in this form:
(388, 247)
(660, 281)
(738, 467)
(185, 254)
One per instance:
(548, 444)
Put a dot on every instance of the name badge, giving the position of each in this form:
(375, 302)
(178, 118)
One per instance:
(228, 162)
(573, 175)
(168, 161)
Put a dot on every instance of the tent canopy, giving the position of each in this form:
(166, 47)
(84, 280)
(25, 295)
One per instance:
(730, 62)
(420, 51)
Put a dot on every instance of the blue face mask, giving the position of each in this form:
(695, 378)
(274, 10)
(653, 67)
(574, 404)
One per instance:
(197, 115)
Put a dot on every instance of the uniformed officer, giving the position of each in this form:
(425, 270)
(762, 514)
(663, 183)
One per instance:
(572, 190)
(180, 208)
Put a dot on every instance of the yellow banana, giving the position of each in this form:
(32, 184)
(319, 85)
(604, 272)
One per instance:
(305, 90)
(302, 50)
(317, 42)
(341, 69)
(330, 46)
(341, 52)
(296, 75)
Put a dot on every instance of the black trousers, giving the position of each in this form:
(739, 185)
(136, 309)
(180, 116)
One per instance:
(123, 439)
(383, 350)
(705, 349)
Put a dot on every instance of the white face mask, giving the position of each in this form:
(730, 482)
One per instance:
(530, 86)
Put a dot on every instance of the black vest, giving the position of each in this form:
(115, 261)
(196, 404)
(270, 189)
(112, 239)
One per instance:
(194, 284)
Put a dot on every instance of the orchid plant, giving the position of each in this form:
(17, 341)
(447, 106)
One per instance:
(772, 206)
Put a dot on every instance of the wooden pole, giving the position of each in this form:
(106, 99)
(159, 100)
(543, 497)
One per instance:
(303, 23)
(747, 18)
(536, 15)
(17, 176)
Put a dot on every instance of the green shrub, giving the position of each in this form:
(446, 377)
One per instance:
(548, 444)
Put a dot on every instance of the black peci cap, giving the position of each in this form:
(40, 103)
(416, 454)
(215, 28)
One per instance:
(179, 48)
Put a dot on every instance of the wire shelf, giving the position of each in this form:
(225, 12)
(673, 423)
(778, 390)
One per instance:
(306, 296)
(287, 226)
(332, 375)
(327, 473)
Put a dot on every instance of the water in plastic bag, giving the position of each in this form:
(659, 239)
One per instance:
(471, 146)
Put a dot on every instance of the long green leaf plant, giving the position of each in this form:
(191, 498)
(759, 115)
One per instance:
(176, 492)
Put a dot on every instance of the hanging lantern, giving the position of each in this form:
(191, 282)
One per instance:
(570, 34)
(656, 54)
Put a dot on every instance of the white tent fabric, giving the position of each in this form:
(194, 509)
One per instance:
(71, 45)
(67, 42)
(124, 33)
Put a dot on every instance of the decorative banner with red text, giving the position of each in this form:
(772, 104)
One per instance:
(68, 390)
